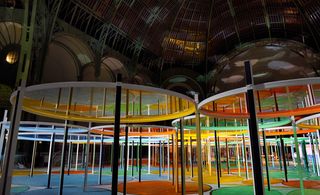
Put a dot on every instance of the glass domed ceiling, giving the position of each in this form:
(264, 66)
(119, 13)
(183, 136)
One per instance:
(269, 63)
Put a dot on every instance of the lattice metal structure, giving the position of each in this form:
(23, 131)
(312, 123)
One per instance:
(162, 34)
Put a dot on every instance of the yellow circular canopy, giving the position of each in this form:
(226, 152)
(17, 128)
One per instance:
(95, 102)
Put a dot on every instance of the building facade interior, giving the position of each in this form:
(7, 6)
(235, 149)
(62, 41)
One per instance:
(160, 97)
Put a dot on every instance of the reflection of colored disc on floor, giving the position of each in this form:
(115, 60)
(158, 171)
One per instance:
(121, 172)
(272, 181)
(306, 184)
(159, 187)
(225, 179)
(235, 170)
(71, 172)
(280, 174)
(306, 192)
(27, 172)
(19, 189)
(241, 190)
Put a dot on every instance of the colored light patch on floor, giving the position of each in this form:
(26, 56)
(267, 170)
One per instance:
(121, 172)
(272, 181)
(280, 174)
(71, 172)
(27, 172)
(225, 179)
(18, 189)
(159, 188)
(306, 184)
(306, 192)
(241, 190)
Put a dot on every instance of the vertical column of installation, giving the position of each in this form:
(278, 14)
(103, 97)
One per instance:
(253, 132)
(114, 187)
(3, 131)
(86, 167)
(34, 154)
(100, 159)
(51, 152)
(22, 75)
(264, 142)
(126, 152)
(182, 157)
(65, 138)
(199, 156)
(140, 153)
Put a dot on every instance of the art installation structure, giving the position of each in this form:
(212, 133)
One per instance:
(112, 137)
(226, 153)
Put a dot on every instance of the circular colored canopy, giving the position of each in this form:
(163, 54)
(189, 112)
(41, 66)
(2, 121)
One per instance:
(309, 122)
(135, 130)
(275, 99)
(228, 125)
(95, 102)
(46, 127)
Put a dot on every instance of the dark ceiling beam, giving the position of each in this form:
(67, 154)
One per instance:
(207, 45)
(266, 17)
(184, 14)
(284, 21)
(313, 30)
(251, 22)
(233, 14)
(172, 27)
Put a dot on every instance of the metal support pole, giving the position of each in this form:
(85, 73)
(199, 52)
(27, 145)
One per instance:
(296, 143)
(51, 152)
(86, 166)
(244, 151)
(182, 158)
(83, 156)
(173, 159)
(199, 156)
(217, 158)
(209, 155)
(316, 140)
(160, 159)
(77, 155)
(3, 131)
(227, 156)
(121, 155)
(93, 155)
(272, 155)
(11, 144)
(266, 157)
(132, 164)
(238, 157)
(111, 156)
(284, 159)
(168, 157)
(176, 169)
(149, 151)
(140, 156)
(100, 161)
(114, 186)
(305, 155)
(314, 167)
(125, 159)
(34, 155)
(63, 154)
(279, 155)
(69, 157)
(253, 131)
(191, 157)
